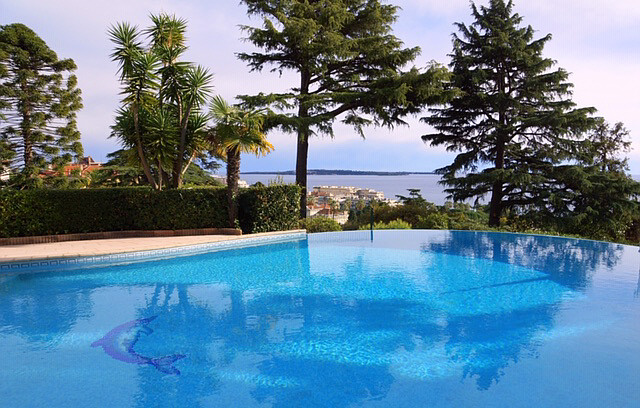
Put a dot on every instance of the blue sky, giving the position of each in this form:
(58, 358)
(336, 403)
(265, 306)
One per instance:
(597, 41)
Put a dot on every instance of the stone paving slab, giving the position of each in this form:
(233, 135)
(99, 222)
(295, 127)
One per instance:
(72, 249)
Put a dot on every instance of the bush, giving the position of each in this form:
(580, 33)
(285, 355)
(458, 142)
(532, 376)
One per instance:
(50, 212)
(320, 224)
(395, 224)
(435, 220)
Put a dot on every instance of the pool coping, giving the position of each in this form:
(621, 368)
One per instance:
(90, 236)
(55, 263)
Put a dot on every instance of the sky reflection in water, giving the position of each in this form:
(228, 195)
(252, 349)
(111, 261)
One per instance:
(414, 318)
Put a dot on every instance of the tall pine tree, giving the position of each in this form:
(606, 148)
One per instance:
(513, 121)
(39, 104)
(349, 65)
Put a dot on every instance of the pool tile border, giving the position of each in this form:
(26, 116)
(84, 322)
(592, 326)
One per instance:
(59, 264)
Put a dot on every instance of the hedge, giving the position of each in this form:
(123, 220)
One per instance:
(49, 212)
(272, 208)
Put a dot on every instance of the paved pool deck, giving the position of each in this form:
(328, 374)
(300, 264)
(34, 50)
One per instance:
(73, 249)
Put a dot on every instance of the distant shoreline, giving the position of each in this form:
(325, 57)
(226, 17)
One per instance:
(323, 172)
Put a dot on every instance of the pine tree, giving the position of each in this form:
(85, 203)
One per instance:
(39, 104)
(513, 121)
(595, 196)
(349, 65)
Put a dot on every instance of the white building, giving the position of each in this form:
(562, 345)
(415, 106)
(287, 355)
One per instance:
(368, 194)
(223, 180)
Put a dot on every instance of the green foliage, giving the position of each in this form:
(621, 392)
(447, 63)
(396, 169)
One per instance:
(320, 224)
(39, 99)
(435, 220)
(273, 208)
(395, 224)
(47, 212)
(349, 65)
(594, 204)
(513, 117)
(236, 131)
(162, 116)
(418, 213)
(123, 169)
(196, 176)
(595, 197)
(461, 216)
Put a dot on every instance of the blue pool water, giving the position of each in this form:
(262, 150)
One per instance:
(410, 319)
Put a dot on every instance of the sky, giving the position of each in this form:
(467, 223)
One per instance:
(598, 42)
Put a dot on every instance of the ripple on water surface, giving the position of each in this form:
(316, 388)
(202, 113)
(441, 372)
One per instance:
(412, 318)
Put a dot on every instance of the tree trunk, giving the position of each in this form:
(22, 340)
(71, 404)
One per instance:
(165, 178)
(159, 175)
(495, 206)
(303, 142)
(233, 174)
(186, 166)
(177, 166)
(143, 160)
(301, 169)
(26, 128)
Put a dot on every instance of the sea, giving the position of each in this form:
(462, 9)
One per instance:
(391, 186)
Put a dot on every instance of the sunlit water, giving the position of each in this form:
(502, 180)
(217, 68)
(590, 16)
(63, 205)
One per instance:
(410, 319)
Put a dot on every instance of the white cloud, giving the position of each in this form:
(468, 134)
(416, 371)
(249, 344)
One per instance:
(597, 41)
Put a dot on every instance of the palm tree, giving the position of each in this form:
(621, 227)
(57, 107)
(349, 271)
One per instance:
(236, 131)
(333, 205)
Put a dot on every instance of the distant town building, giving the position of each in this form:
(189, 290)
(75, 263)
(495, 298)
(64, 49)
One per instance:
(85, 166)
(223, 180)
(342, 193)
(336, 201)
(368, 194)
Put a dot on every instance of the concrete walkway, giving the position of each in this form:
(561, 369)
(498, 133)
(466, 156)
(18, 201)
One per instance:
(13, 253)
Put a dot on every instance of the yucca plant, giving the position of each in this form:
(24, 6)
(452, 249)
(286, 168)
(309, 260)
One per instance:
(162, 113)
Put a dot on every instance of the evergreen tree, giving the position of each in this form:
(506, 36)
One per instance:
(348, 64)
(513, 121)
(38, 101)
(594, 197)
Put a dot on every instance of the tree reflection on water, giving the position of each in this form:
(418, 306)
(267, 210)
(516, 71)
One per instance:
(283, 330)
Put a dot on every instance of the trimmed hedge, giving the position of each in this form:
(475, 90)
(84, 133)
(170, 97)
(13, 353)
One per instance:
(272, 208)
(50, 212)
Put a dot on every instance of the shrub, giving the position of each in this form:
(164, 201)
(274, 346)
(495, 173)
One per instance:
(395, 224)
(49, 212)
(320, 224)
(435, 220)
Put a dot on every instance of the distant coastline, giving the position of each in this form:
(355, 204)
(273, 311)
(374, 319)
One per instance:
(324, 172)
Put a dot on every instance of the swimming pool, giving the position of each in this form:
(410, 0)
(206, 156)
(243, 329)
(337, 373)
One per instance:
(410, 319)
